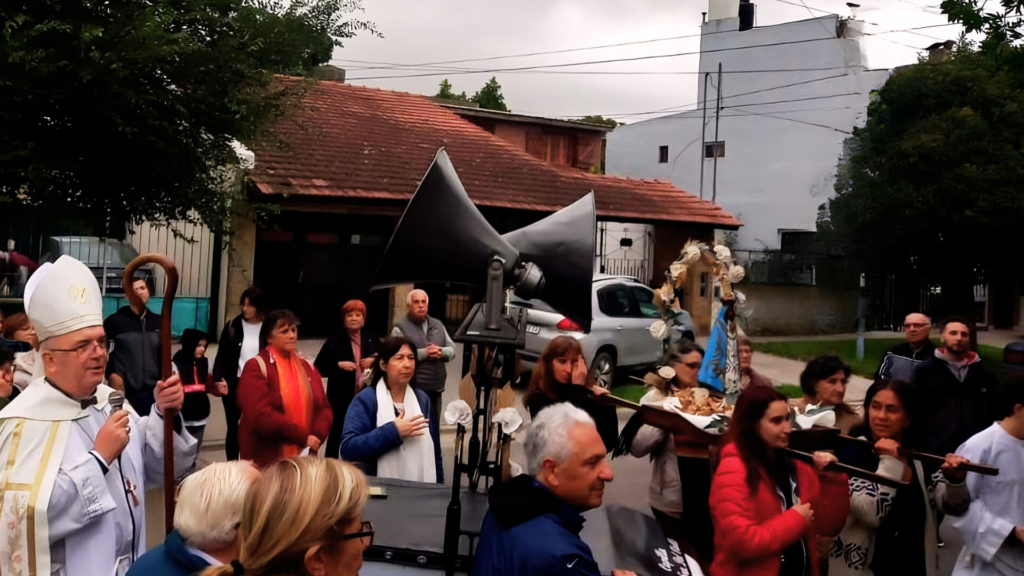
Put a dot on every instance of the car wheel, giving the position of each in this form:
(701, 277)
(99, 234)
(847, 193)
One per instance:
(602, 369)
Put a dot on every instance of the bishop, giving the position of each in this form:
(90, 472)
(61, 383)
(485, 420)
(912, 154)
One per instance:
(68, 502)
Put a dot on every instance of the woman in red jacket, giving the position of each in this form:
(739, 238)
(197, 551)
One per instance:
(765, 508)
(281, 397)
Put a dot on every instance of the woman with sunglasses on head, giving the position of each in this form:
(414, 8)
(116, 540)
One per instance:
(303, 517)
(681, 478)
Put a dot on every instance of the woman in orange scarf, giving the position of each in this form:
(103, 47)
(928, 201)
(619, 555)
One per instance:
(281, 397)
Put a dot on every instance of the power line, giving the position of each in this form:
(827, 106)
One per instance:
(386, 65)
(801, 122)
(794, 100)
(661, 72)
(759, 91)
(631, 59)
(607, 61)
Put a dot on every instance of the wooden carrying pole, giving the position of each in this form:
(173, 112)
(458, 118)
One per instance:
(929, 458)
(165, 363)
(680, 426)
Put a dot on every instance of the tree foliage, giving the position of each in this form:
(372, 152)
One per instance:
(129, 107)
(445, 93)
(611, 122)
(490, 96)
(931, 184)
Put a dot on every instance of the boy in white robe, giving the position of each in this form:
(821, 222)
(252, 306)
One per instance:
(71, 499)
(993, 527)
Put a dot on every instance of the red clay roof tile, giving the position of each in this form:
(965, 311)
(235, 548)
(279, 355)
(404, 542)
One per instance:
(355, 142)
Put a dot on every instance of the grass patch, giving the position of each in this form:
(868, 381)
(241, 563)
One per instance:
(790, 390)
(631, 392)
(874, 351)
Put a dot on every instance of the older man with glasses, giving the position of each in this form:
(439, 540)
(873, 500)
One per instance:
(76, 461)
(899, 363)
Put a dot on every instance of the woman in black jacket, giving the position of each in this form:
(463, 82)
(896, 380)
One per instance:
(239, 343)
(194, 368)
(342, 361)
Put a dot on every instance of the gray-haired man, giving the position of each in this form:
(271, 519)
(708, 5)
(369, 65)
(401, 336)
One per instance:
(210, 504)
(434, 348)
(534, 520)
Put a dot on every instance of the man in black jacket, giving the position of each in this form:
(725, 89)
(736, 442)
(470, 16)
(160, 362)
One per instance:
(899, 363)
(238, 343)
(134, 340)
(958, 395)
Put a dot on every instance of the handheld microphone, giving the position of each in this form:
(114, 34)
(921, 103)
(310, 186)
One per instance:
(116, 400)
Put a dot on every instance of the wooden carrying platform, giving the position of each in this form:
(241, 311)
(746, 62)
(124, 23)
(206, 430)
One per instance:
(802, 442)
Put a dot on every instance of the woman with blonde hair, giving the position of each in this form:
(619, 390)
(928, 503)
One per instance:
(303, 516)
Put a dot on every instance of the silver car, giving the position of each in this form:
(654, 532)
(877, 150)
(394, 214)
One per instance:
(620, 334)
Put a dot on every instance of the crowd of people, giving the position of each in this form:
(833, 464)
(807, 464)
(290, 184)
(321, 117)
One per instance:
(78, 457)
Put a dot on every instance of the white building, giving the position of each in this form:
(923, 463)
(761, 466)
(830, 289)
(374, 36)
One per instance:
(790, 94)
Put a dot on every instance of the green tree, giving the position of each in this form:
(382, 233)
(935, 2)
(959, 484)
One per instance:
(445, 93)
(931, 184)
(600, 120)
(490, 96)
(129, 108)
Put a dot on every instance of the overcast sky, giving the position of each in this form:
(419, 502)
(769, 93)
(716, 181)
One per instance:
(427, 31)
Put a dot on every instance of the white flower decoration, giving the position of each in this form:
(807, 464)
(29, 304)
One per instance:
(736, 273)
(723, 252)
(667, 372)
(676, 268)
(691, 255)
(509, 419)
(659, 330)
(458, 412)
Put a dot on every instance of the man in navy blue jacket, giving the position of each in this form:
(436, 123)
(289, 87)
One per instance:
(534, 520)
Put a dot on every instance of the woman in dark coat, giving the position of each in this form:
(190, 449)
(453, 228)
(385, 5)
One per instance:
(342, 361)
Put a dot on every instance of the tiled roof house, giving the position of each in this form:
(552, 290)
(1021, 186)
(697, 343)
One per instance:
(342, 165)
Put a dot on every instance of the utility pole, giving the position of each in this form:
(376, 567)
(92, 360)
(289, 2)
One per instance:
(718, 113)
(703, 132)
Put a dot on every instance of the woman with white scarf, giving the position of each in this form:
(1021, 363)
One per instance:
(386, 428)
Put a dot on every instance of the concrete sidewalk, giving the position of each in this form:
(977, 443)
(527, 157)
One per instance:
(997, 338)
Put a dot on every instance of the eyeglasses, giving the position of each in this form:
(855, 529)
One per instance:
(365, 535)
(86, 348)
(692, 365)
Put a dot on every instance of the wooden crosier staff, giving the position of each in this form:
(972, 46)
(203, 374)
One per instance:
(165, 362)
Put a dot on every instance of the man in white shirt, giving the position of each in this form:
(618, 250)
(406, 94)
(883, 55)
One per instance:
(993, 527)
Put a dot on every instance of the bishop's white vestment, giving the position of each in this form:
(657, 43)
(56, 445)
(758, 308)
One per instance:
(59, 512)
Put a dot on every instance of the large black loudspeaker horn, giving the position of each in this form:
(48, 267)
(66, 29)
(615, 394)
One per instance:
(442, 237)
(563, 246)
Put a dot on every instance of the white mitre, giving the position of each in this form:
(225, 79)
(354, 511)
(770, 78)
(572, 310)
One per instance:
(63, 297)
